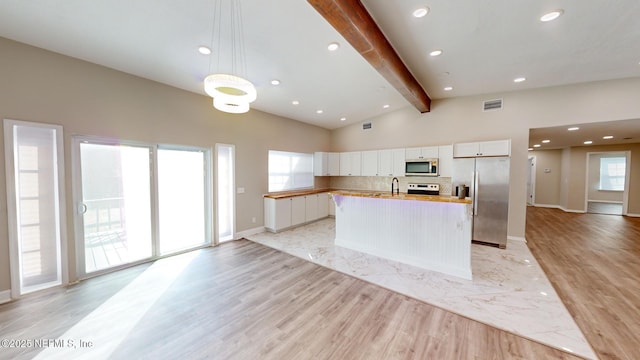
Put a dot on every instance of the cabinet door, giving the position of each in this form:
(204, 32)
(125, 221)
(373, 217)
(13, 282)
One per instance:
(466, 150)
(445, 160)
(495, 148)
(356, 163)
(345, 164)
(298, 213)
(350, 163)
(282, 214)
(323, 205)
(385, 162)
(370, 163)
(320, 164)
(311, 207)
(398, 157)
(333, 164)
(413, 153)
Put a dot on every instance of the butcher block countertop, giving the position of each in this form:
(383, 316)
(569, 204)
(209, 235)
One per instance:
(402, 196)
(288, 194)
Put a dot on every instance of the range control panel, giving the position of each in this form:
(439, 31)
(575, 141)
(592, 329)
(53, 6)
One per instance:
(424, 189)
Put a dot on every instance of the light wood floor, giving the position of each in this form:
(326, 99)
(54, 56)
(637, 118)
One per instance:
(242, 300)
(593, 261)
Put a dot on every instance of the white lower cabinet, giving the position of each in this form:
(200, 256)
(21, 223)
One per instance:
(323, 205)
(311, 207)
(281, 214)
(298, 213)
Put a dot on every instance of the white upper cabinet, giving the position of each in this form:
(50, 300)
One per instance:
(370, 163)
(445, 160)
(350, 163)
(485, 148)
(391, 162)
(326, 164)
(430, 152)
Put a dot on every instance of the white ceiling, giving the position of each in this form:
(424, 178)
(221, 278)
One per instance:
(486, 45)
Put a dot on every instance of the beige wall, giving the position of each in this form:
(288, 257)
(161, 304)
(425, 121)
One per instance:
(577, 175)
(547, 186)
(87, 99)
(462, 119)
(569, 174)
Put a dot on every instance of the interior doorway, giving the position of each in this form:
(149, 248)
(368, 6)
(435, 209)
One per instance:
(531, 181)
(607, 182)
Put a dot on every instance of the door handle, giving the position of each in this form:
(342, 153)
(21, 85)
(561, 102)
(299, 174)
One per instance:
(475, 193)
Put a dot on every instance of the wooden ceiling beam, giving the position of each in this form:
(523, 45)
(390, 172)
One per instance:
(352, 20)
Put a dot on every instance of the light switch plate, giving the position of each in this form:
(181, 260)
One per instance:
(240, 190)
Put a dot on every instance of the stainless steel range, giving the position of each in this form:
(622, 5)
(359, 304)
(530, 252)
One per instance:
(423, 189)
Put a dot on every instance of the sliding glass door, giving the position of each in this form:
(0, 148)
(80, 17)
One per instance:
(182, 199)
(138, 201)
(115, 205)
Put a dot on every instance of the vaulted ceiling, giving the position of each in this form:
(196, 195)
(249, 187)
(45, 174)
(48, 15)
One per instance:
(485, 45)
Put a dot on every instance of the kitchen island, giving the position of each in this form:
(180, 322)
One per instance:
(428, 231)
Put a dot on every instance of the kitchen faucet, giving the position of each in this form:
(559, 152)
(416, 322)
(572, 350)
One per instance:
(395, 181)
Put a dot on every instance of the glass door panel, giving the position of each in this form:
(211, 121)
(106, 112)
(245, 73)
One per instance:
(34, 170)
(116, 205)
(182, 199)
(225, 191)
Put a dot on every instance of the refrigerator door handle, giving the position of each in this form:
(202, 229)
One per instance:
(475, 193)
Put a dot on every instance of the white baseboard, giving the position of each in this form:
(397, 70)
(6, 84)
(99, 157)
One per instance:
(559, 207)
(572, 211)
(632, 215)
(5, 296)
(245, 233)
(517, 238)
(548, 206)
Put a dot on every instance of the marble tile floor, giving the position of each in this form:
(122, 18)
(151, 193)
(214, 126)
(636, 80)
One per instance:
(509, 290)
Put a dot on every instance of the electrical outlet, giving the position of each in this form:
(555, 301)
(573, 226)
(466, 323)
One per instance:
(253, 219)
(240, 190)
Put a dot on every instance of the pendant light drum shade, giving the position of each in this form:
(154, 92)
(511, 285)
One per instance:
(230, 88)
(230, 107)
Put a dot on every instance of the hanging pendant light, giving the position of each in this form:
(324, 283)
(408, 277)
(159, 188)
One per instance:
(230, 92)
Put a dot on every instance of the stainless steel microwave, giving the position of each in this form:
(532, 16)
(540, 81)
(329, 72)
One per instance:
(421, 167)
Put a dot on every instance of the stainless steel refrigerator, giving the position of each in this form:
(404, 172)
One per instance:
(487, 180)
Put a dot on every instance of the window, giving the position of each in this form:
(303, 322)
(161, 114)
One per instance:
(612, 173)
(289, 171)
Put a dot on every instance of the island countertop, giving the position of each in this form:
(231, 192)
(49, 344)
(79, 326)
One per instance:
(401, 196)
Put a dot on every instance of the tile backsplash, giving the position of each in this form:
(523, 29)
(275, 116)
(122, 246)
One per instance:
(383, 183)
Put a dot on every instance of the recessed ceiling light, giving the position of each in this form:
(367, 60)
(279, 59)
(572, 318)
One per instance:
(275, 82)
(295, 102)
(546, 141)
(436, 52)
(333, 46)
(204, 50)
(607, 137)
(573, 128)
(551, 15)
(519, 79)
(536, 145)
(530, 149)
(319, 111)
(421, 12)
(343, 118)
(448, 88)
(588, 142)
(386, 106)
